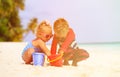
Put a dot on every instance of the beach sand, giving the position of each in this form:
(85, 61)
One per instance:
(104, 61)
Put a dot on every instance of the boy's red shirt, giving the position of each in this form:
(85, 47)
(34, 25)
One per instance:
(70, 37)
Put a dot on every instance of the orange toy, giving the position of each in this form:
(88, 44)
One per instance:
(56, 60)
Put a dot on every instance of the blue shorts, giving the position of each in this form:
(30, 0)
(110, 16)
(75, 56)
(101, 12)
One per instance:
(29, 45)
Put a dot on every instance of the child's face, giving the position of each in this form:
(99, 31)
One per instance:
(45, 34)
(61, 29)
(61, 35)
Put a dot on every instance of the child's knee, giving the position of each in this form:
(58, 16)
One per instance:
(86, 54)
(27, 59)
(83, 53)
(30, 51)
(27, 55)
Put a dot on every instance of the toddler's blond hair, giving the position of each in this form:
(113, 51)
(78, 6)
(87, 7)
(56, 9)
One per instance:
(43, 26)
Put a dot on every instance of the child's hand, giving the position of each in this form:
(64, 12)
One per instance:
(60, 51)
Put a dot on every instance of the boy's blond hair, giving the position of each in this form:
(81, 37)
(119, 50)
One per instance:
(61, 26)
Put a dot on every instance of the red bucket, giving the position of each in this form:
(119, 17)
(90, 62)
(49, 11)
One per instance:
(56, 60)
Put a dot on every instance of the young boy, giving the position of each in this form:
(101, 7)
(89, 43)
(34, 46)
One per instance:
(43, 34)
(65, 38)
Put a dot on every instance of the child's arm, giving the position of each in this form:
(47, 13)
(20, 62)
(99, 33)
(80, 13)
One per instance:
(70, 37)
(44, 47)
(54, 46)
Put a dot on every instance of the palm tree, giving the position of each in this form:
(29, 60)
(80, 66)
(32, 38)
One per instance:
(31, 26)
(10, 25)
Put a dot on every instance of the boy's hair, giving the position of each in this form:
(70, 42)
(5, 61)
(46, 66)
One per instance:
(61, 25)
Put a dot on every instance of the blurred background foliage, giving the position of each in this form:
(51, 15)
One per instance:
(10, 24)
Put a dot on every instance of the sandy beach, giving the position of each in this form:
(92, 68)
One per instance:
(104, 61)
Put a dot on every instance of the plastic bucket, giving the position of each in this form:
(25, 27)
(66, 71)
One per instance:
(38, 59)
(55, 60)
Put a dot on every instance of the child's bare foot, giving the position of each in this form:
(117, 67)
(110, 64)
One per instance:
(74, 63)
(66, 63)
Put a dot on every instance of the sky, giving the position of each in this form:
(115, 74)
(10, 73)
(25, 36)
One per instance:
(93, 21)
